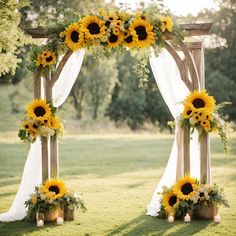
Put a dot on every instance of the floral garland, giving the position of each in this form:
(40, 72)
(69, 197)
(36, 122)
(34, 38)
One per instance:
(114, 30)
(201, 113)
(40, 121)
(187, 195)
(53, 194)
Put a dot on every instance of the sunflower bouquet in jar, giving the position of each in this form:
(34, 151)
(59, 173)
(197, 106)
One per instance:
(52, 196)
(187, 195)
(201, 113)
(40, 121)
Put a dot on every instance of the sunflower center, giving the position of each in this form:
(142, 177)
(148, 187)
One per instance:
(141, 32)
(39, 111)
(186, 188)
(189, 112)
(35, 126)
(26, 126)
(93, 28)
(201, 194)
(129, 39)
(48, 59)
(54, 189)
(172, 200)
(75, 36)
(107, 24)
(113, 38)
(198, 103)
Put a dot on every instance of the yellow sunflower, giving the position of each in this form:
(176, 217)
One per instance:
(26, 125)
(185, 188)
(73, 36)
(166, 24)
(93, 27)
(55, 122)
(129, 40)
(188, 111)
(201, 99)
(38, 108)
(170, 201)
(206, 125)
(141, 30)
(47, 58)
(114, 40)
(54, 188)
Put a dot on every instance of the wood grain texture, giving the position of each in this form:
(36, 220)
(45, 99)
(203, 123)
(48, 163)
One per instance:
(45, 173)
(190, 30)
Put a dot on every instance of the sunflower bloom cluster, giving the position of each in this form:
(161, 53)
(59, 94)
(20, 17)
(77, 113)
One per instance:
(46, 59)
(114, 29)
(188, 194)
(199, 110)
(51, 195)
(40, 121)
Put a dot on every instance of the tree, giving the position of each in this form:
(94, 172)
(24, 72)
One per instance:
(12, 36)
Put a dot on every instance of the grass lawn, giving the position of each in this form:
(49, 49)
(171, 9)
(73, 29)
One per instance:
(117, 176)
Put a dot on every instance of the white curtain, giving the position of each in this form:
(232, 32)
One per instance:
(173, 91)
(32, 175)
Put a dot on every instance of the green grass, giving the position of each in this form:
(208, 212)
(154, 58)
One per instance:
(117, 176)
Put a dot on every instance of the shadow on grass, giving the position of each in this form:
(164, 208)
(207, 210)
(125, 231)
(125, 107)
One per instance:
(19, 228)
(146, 225)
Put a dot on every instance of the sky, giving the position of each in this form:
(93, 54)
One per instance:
(179, 7)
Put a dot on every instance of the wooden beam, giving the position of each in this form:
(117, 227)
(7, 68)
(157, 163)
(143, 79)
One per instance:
(195, 29)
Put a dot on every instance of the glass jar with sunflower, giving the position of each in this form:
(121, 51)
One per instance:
(201, 113)
(51, 198)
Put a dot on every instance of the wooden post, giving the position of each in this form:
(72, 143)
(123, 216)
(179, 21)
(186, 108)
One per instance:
(45, 174)
(53, 139)
(186, 150)
(205, 161)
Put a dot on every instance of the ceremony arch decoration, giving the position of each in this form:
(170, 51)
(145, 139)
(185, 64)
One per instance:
(191, 69)
(189, 58)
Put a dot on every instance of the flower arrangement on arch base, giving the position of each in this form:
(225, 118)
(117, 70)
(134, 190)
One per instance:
(187, 195)
(40, 121)
(51, 199)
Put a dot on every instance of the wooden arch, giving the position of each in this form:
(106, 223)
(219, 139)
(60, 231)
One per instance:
(191, 69)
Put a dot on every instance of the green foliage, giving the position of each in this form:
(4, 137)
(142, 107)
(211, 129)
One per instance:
(12, 36)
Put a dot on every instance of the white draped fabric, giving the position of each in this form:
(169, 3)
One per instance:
(32, 175)
(173, 91)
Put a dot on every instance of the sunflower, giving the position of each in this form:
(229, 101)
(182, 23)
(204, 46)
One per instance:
(170, 201)
(129, 40)
(54, 188)
(197, 117)
(166, 23)
(201, 99)
(206, 125)
(114, 40)
(185, 188)
(46, 58)
(93, 27)
(73, 36)
(38, 109)
(26, 125)
(188, 111)
(55, 122)
(141, 30)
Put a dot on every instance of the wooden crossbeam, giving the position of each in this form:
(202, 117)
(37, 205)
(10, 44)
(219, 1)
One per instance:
(195, 29)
